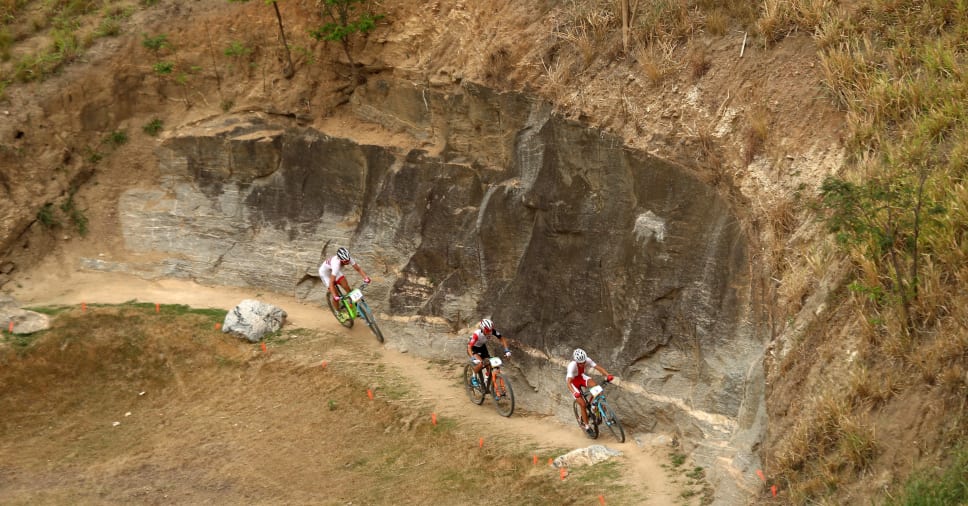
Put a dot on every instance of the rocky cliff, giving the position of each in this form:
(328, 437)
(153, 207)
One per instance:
(561, 233)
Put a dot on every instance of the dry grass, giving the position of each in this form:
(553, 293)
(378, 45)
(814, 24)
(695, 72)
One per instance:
(656, 61)
(697, 60)
(219, 422)
(757, 130)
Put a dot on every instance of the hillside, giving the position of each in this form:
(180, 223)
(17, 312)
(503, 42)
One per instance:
(740, 99)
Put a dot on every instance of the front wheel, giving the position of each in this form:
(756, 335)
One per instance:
(475, 392)
(348, 323)
(370, 320)
(611, 421)
(503, 394)
(577, 408)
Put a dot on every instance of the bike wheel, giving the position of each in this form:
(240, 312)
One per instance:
(611, 421)
(503, 394)
(349, 321)
(370, 320)
(577, 408)
(474, 393)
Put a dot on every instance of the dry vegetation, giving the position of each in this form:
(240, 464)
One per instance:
(897, 70)
(202, 417)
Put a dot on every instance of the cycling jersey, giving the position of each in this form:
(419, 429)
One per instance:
(478, 339)
(333, 267)
(576, 372)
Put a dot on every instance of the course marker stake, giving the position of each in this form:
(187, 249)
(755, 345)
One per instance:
(83, 307)
(218, 326)
(760, 474)
(601, 500)
(323, 365)
(480, 444)
(263, 347)
(773, 489)
(157, 307)
(11, 327)
(563, 473)
(433, 418)
(369, 393)
(534, 460)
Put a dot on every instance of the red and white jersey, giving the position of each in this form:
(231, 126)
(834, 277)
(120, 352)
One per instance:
(576, 370)
(332, 267)
(479, 338)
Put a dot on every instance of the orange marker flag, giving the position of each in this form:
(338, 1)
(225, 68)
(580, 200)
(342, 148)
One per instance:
(83, 307)
(601, 499)
(563, 473)
(480, 444)
(550, 461)
(369, 393)
(760, 474)
(157, 307)
(218, 326)
(11, 326)
(534, 460)
(773, 489)
(433, 418)
(263, 347)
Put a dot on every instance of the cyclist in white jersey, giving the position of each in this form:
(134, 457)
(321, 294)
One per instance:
(576, 378)
(332, 275)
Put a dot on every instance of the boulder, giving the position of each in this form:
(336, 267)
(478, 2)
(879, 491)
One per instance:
(253, 319)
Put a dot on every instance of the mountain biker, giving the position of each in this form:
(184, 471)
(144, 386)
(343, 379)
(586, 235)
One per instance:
(332, 274)
(576, 378)
(477, 344)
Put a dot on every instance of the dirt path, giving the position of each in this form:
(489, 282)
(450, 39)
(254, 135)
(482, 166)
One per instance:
(642, 465)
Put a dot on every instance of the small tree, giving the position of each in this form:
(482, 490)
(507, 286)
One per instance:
(290, 69)
(346, 17)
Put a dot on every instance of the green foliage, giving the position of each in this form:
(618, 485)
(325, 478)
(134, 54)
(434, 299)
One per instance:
(940, 487)
(117, 138)
(885, 216)
(77, 216)
(237, 49)
(46, 216)
(346, 17)
(153, 127)
(156, 43)
(164, 67)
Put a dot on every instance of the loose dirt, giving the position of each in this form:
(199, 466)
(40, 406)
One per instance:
(53, 283)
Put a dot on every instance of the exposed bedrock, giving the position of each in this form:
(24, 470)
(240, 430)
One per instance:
(558, 231)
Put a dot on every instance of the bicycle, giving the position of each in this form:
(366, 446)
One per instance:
(479, 385)
(356, 307)
(599, 412)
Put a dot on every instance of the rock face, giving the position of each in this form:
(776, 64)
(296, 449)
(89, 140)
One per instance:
(556, 231)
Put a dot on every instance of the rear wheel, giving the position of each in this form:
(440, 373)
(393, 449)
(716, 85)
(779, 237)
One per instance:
(503, 395)
(370, 320)
(348, 323)
(611, 421)
(474, 392)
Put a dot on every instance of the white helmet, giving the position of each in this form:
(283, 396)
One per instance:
(579, 355)
(487, 325)
(343, 254)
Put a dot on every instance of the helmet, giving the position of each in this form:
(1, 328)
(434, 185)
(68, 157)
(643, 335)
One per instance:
(487, 325)
(343, 254)
(579, 355)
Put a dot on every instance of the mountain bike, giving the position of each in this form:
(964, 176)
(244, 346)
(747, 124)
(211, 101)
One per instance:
(490, 380)
(355, 306)
(599, 412)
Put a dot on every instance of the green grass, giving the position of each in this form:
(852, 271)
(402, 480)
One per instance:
(943, 486)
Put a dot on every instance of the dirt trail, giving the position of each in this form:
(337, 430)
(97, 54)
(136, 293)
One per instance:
(642, 465)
